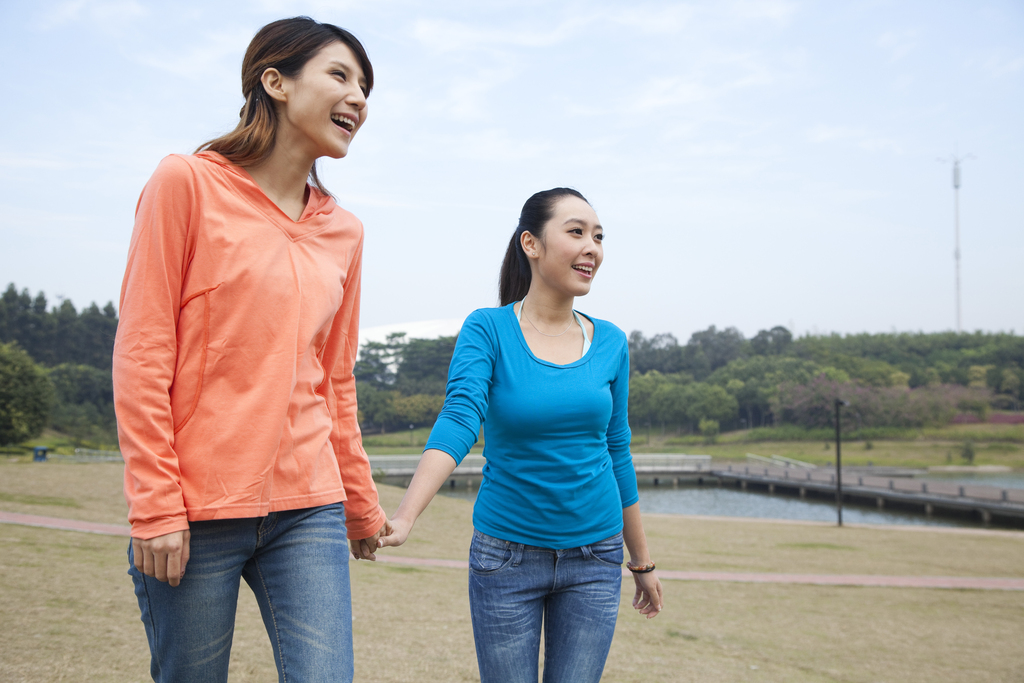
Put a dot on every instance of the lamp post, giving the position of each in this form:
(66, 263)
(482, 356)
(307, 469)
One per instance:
(839, 464)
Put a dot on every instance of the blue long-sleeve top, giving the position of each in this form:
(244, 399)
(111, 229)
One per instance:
(558, 468)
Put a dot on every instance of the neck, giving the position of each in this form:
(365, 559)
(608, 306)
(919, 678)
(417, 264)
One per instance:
(282, 176)
(548, 308)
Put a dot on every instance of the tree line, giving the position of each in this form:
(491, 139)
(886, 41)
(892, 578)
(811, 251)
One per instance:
(55, 369)
(59, 358)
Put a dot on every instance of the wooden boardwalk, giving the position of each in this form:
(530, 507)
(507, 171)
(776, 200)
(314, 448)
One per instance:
(880, 487)
(984, 502)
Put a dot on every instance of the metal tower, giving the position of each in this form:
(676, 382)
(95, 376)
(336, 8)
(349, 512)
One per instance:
(956, 221)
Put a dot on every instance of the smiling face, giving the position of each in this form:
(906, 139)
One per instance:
(321, 109)
(566, 257)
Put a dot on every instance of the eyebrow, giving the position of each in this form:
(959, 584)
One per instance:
(598, 226)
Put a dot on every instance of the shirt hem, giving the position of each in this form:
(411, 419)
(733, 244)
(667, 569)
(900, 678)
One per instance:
(548, 544)
(262, 509)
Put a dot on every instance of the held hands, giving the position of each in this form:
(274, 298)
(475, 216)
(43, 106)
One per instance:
(362, 549)
(164, 557)
(397, 535)
(648, 594)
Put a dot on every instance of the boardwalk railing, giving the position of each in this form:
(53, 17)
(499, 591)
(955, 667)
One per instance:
(654, 467)
(984, 501)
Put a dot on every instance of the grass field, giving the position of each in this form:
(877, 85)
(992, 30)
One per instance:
(67, 612)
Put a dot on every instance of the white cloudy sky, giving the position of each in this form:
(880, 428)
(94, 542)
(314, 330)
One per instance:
(754, 163)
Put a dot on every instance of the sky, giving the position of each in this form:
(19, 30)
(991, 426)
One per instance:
(753, 163)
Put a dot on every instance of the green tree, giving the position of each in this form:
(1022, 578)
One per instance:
(417, 410)
(423, 366)
(84, 405)
(773, 342)
(711, 349)
(376, 405)
(753, 382)
(379, 360)
(661, 352)
(25, 396)
(709, 402)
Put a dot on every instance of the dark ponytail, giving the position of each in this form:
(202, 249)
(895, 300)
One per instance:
(514, 281)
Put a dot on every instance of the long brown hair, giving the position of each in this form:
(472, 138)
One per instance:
(515, 277)
(285, 45)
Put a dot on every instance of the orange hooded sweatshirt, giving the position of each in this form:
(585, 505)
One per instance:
(233, 360)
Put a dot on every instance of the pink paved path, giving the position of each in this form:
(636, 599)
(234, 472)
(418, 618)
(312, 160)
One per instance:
(976, 583)
(979, 583)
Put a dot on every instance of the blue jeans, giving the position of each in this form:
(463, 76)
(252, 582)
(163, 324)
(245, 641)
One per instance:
(296, 562)
(515, 588)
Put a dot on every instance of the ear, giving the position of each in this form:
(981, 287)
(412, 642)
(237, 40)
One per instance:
(274, 83)
(530, 244)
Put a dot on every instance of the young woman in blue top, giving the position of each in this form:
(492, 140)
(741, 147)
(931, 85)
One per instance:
(558, 496)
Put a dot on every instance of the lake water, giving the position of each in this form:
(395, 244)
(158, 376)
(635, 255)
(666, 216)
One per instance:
(730, 502)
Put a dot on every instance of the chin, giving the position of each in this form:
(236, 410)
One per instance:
(581, 291)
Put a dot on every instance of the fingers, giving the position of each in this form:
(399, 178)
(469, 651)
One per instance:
(395, 534)
(367, 549)
(138, 556)
(163, 557)
(171, 569)
(185, 551)
(648, 597)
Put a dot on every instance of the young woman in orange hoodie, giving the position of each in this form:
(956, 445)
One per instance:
(233, 382)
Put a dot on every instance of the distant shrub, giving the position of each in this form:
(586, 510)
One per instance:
(967, 451)
(709, 430)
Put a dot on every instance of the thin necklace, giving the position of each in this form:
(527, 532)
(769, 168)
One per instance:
(523, 311)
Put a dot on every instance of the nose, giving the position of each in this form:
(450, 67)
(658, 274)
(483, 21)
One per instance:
(357, 99)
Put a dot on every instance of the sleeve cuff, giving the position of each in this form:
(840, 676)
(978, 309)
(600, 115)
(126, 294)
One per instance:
(366, 526)
(145, 530)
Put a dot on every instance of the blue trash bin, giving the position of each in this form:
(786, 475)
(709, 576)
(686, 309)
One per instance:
(39, 453)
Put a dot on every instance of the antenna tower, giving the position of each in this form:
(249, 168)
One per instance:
(956, 222)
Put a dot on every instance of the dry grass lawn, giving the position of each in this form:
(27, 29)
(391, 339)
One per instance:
(67, 612)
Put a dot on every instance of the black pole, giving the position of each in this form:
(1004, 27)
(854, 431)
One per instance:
(839, 469)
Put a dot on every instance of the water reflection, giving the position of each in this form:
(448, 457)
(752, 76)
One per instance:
(727, 502)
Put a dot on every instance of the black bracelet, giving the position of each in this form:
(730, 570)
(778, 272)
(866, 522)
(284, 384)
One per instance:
(642, 569)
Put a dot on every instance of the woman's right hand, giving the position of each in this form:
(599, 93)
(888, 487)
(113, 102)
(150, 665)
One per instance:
(400, 529)
(164, 557)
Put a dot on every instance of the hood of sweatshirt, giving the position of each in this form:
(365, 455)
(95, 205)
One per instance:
(319, 206)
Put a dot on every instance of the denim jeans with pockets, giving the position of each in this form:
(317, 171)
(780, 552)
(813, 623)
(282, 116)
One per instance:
(574, 593)
(296, 562)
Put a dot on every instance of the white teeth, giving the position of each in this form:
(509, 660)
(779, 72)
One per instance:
(343, 121)
(585, 269)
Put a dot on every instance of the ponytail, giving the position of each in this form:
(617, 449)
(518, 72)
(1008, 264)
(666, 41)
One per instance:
(514, 280)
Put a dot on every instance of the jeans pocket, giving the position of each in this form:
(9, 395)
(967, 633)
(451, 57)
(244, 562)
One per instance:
(608, 551)
(488, 554)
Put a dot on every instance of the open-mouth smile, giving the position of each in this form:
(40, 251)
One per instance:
(344, 122)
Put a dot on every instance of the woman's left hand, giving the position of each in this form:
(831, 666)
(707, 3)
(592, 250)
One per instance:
(648, 594)
(362, 549)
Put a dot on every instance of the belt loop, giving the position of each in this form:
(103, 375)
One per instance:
(517, 553)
